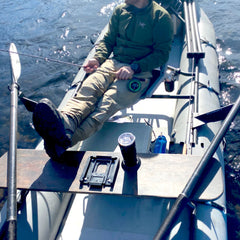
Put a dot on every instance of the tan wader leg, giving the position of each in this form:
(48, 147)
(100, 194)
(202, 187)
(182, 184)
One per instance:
(101, 97)
(91, 90)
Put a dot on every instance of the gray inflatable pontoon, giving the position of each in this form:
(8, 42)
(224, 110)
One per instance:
(137, 205)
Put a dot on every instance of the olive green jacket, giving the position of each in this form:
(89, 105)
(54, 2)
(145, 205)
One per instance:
(136, 35)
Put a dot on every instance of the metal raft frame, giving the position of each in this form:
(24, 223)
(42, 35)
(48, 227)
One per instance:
(194, 54)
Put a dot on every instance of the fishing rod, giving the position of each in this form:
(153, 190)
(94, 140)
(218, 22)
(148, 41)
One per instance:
(28, 103)
(12, 153)
(51, 60)
(43, 58)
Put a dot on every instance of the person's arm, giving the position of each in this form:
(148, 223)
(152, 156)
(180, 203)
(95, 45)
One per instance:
(105, 47)
(91, 65)
(125, 73)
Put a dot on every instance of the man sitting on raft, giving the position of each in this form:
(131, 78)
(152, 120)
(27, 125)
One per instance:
(140, 34)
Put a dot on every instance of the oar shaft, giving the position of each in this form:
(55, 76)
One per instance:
(191, 187)
(11, 178)
(189, 190)
(12, 153)
(172, 216)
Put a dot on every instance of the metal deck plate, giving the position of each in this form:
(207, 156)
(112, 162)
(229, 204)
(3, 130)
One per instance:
(160, 175)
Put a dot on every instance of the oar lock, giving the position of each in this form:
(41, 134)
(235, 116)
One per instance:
(15, 84)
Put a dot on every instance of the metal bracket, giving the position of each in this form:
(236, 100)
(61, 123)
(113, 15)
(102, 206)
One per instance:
(176, 96)
(100, 171)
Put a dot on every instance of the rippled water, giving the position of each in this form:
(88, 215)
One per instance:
(62, 30)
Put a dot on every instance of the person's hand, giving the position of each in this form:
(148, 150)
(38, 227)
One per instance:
(125, 73)
(91, 65)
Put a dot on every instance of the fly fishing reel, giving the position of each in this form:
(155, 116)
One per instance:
(134, 85)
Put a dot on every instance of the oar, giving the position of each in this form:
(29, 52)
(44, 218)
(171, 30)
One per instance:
(191, 187)
(11, 174)
(215, 115)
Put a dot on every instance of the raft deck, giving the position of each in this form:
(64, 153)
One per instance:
(156, 176)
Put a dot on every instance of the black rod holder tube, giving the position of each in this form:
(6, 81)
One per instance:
(127, 145)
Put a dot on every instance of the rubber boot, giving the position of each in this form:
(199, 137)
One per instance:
(54, 127)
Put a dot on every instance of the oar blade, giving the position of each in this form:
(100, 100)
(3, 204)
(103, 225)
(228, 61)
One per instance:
(215, 115)
(15, 62)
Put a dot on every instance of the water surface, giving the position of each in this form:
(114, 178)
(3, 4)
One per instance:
(62, 30)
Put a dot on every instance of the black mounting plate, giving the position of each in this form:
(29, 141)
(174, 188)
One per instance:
(100, 171)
